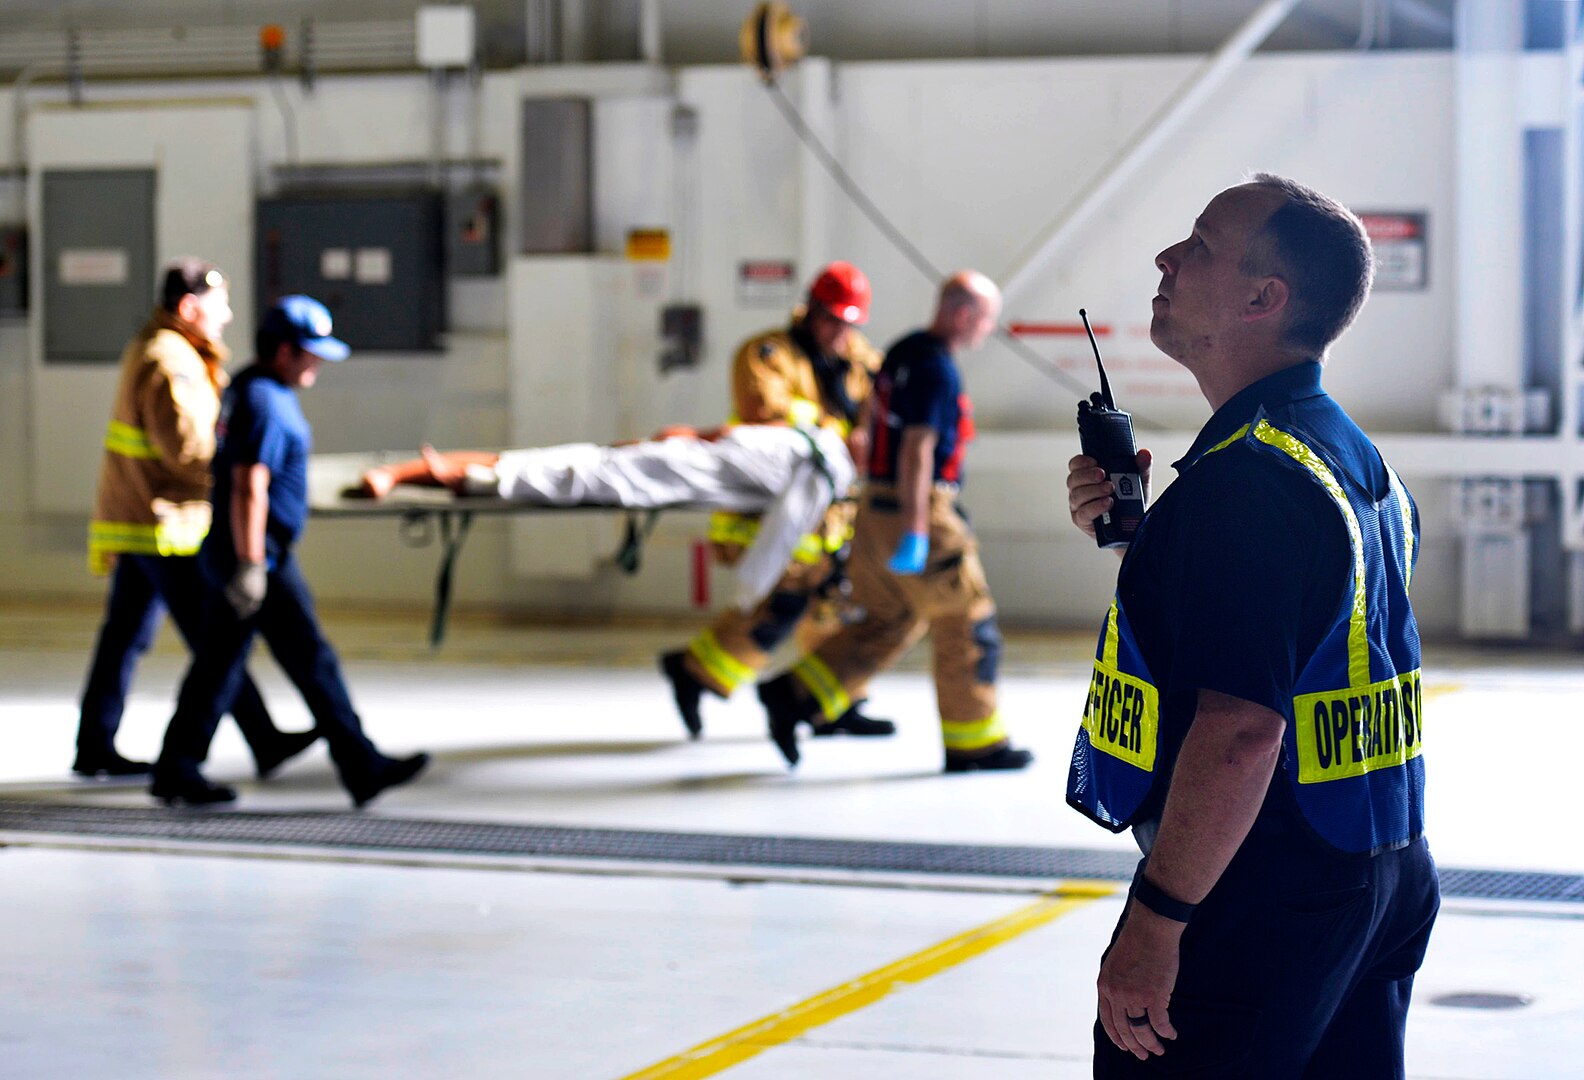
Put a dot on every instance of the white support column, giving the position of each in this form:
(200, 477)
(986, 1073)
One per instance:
(1489, 230)
(1489, 239)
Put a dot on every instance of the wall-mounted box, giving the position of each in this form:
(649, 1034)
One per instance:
(473, 233)
(98, 265)
(374, 258)
(555, 203)
(13, 270)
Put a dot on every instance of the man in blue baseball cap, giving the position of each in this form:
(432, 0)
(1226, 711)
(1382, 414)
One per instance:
(260, 497)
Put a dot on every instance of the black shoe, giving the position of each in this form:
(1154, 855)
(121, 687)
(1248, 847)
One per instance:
(853, 722)
(112, 764)
(786, 709)
(387, 773)
(282, 748)
(191, 790)
(1006, 757)
(686, 689)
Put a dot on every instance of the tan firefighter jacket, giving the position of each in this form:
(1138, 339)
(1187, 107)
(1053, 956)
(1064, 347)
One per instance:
(153, 493)
(773, 381)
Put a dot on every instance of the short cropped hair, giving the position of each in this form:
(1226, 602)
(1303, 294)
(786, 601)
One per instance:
(1319, 247)
(188, 275)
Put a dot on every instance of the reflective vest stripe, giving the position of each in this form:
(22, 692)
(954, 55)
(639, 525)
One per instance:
(822, 682)
(1407, 515)
(129, 441)
(721, 665)
(1108, 652)
(973, 734)
(1358, 617)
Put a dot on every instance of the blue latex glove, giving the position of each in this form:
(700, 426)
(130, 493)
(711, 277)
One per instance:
(910, 554)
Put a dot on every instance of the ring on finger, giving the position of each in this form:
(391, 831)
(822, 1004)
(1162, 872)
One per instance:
(1139, 1021)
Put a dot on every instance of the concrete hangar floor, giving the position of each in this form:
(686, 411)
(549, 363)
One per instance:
(575, 891)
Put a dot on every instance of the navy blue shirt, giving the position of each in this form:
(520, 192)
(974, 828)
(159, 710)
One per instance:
(918, 386)
(1239, 569)
(261, 423)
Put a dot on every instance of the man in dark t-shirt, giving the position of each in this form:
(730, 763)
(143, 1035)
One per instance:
(915, 562)
(260, 506)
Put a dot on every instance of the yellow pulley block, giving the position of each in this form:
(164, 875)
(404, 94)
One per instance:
(772, 39)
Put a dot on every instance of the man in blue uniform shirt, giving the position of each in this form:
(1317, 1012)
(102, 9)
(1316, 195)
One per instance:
(1254, 714)
(260, 507)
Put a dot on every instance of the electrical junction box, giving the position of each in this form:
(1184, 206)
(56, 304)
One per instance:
(98, 264)
(473, 233)
(445, 35)
(13, 270)
(374, 258)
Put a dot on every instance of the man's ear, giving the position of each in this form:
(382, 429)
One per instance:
(1269, 300)
(187, 308)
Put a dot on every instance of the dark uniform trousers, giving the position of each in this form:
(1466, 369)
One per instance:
(1246, 1005)
(290, 627)
(140, 587)
(950, 600)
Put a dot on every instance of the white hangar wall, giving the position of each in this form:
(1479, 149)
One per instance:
(971, 159)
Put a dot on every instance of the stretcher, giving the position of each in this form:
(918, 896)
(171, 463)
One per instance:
(428, 515)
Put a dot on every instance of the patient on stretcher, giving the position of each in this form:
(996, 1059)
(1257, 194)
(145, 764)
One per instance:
(789, 474)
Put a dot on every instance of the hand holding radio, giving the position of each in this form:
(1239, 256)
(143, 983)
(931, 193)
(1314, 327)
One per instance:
(1089, 491)
(1110, 486)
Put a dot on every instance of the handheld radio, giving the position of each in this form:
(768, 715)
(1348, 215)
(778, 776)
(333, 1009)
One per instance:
(1106, 434)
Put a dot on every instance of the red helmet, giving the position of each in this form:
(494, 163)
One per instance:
(842, 290)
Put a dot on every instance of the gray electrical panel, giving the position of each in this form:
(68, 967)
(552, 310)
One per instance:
(555, 210)
(374, 258)
(98, 264)
(472, 228)
(13, 270)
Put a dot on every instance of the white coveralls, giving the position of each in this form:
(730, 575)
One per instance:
(790, 474)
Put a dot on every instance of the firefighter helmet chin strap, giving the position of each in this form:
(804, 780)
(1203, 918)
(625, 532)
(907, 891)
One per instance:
(829, 371)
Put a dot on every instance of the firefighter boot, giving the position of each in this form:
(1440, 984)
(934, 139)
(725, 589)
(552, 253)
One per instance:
(1003, 757)
(853, 722)
(786, 709)
(685, 689)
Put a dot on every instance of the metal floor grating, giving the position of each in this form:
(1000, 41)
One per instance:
(362, 832)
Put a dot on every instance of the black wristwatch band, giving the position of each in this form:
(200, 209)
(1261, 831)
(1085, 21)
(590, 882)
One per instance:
(1160, 902)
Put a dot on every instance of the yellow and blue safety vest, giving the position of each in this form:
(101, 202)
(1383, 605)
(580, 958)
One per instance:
(1351, 754)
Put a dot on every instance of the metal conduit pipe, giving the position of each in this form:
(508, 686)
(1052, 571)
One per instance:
(1167, 120)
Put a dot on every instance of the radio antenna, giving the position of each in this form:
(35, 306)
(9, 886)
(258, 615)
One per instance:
(1105, 384)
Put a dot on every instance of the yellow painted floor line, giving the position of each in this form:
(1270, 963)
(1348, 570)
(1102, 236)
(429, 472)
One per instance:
(1435, 690)
(719, 1054)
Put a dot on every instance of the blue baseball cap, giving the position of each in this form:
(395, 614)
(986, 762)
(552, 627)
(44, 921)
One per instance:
(305, 323)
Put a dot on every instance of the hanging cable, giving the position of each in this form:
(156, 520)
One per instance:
(910, 251)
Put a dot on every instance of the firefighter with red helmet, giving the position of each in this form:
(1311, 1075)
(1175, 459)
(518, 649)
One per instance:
(815, 373)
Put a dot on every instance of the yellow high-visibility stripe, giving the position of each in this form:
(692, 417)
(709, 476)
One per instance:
(1358, 625)
(804, 413)
(1228, 441)
(822, 682)
(721, 665)
(129, 441)
(1406, 510)
(726, 527)
(131, 538)
(972, 734)
(733, 1048)
(1108, 653)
